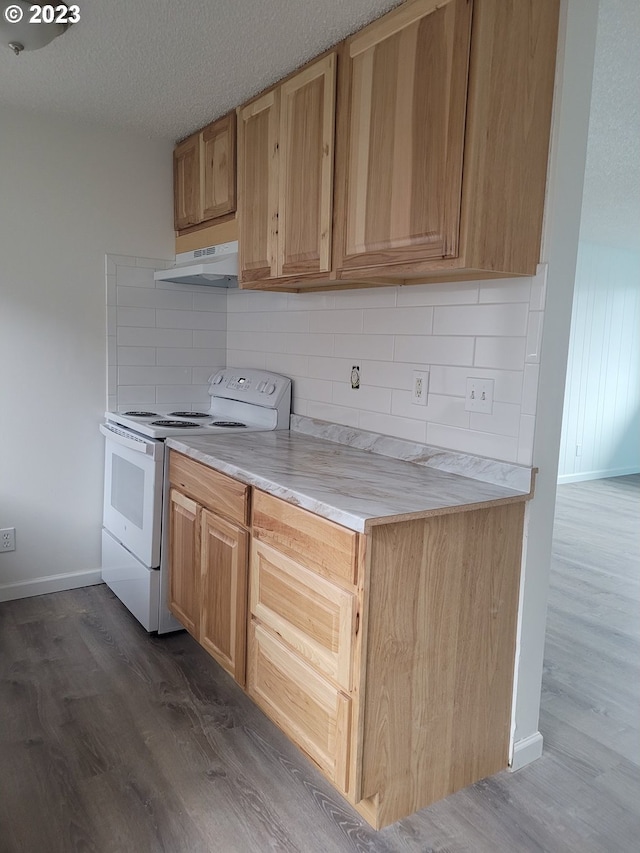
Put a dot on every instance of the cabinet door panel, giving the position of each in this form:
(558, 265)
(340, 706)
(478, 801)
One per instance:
(315, 617)
(218, 168)
(307, 109)
(311, 711)
(224, 593)
(186, 182)
(405, 89)
(184, 561)
(258, 187)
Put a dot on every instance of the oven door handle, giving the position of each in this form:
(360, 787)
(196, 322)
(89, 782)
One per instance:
(118, 436)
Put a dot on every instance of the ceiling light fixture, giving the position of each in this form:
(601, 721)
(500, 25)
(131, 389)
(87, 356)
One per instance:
(22, 28)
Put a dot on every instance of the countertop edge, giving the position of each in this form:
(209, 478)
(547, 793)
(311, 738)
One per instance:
(319, 507)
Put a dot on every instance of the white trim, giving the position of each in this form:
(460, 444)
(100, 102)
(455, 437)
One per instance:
(52, 583)
(597, 475)
(526, 750)
(516, 673)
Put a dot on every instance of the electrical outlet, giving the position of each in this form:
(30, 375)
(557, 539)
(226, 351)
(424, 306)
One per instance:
(7, 539)
(420, 387)
(355, 377)
(479, 396)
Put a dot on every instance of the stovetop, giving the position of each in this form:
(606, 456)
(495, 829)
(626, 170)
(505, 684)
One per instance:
(157, 425)
(242, 400)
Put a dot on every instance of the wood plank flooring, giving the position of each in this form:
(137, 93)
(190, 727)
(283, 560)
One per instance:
(113, 741)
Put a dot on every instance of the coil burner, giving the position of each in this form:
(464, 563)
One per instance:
(236, 424)
(180, 424)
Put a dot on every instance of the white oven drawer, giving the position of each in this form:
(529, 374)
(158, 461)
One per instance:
(135, 585)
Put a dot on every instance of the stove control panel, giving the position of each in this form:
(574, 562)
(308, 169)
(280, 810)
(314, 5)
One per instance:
(249, 385)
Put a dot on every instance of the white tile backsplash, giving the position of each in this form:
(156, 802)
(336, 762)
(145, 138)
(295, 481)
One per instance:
(132, 276)
(130, 336)
(495, 319)
(472, 441)
(363, 346)
(400, 321)
(154, 376)
(136, 356)
(530, 389)
(539, 288)
(430, 349)
(500, 352)
(345, 321)
(454, 331)
(166, 341)
(503, 420)
(506, 290)
(534, 337)
(209, 320)
(142, 317)
(454, 293)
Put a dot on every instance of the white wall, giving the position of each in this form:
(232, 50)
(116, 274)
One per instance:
(69, 193)
(563, 204)
(485, 329)
(601, 423)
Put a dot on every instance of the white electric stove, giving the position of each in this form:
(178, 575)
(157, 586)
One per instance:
(133, 552)
(241, 400)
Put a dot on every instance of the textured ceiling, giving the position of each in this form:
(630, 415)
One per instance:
(166, 67)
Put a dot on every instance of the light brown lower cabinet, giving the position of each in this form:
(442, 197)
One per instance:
(208, 563)
(306, 706)
(386, 656)
(223, 616)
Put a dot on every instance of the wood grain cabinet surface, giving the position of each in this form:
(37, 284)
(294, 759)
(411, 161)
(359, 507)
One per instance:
(442, 129)
(204, 174)
(445, 114)
(285, 165)
(387, 656)
(208, 560)
(186, 183)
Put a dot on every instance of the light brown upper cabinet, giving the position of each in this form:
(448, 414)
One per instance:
(186, 183)
(204, 174)
(285, 176)
(405, 84)
(443, 136)
(443, 119)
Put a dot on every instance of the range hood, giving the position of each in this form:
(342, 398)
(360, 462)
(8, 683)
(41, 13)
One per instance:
(215, 265)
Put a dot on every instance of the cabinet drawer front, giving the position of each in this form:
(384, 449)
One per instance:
(311, 614)
(313, 713)
(216, 491)
(320, 545)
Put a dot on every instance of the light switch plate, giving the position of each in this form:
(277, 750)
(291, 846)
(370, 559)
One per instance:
(479, 397)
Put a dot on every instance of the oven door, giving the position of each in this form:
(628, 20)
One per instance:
(133, 492)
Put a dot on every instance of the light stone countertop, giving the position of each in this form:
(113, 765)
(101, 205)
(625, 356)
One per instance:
(353, 487)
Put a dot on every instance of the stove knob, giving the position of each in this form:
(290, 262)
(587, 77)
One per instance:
(217, 379)
(270, 388)
(261, 386)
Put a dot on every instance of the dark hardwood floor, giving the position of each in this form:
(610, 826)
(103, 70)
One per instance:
(114, 741)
